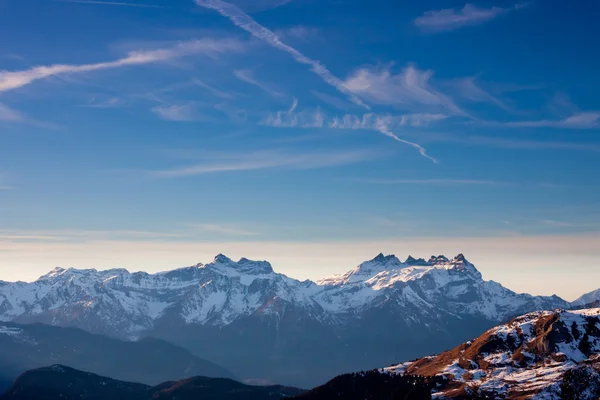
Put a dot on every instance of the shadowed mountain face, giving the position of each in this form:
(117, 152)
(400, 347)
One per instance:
(150, 361)
(63, 383)
(269, 327)
(549, 355)
(373, 385)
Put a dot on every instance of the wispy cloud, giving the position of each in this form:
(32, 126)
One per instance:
(267, 160)
(175, 112)
(8, 114)
(244, 21)
(450, 19)
(111, 102)
(224, 229)
(381, 123)
(12, 116)
(409, 89)
(246, 75)
(299, 32)
(331, 100)
(212, 89)
(10, 80)
(469, 89)
(583, 120)
(433, 182)
(507, 143)
(111, 3)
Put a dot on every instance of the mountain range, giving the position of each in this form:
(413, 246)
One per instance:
(541, 355)
(149, 361)
(548, 355)
(58, 382)
(267, 327)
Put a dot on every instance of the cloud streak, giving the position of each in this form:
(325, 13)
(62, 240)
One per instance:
(8, 114)
(450, 19)
(229, 230)
(583, 120)
(11, 80)
(110, 3)
(266, 160)
(433, 182)
(422, 150)
(180, 113)
(245, 22)
(247, 76)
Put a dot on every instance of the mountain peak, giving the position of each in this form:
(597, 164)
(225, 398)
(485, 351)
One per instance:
(415, 261)
(382, 259)
(222, 259)
(244, 265)
(441, 259)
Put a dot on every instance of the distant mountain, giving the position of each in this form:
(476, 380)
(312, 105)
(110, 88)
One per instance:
(63, 383)
(266, 326)
(541, 355)
(588, 298)
(150, 361)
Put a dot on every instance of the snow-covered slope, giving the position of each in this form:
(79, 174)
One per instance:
(541, 355)
(454, 286)
(588, 298)
(124, 304)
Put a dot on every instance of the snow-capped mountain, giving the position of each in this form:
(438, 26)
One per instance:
(588, 298)
(541, 355)
(227, 311)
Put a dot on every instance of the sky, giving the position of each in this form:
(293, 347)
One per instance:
(314, 134)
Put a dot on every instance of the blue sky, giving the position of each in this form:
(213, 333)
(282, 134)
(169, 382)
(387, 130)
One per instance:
(272, 128)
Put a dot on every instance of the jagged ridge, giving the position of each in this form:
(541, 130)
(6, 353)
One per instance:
(545, 354)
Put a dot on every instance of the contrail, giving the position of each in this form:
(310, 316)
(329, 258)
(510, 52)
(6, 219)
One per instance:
(422, 150)
(244, 21)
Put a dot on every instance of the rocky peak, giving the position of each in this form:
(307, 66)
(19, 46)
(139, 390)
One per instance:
(244, 265)
(415, 261)
(222, 259)
(433, 260)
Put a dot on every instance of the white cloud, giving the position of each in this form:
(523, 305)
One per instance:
(244, 21)
(410, 89)
(10, 80)
(247, 76)
(583, 120)
(296, 119)
(175, 112)
(450, 19)
(266, 160)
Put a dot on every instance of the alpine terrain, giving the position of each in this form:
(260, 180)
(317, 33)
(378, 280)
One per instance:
(541, 355)
(267, 327)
